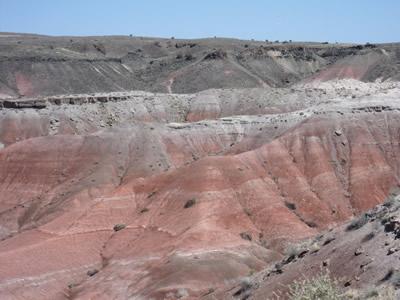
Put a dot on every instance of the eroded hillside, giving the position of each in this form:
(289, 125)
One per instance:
(146, 195)
(34, 65)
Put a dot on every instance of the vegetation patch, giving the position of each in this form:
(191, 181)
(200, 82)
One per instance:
(119, 227)
(359, 222)
(393, 277)
(217, 54)
(311, 224)
(292, 251)
(190, 203)
(290, 205)
(93, 272)
(152, 193)
(319, 287)
(244, 235)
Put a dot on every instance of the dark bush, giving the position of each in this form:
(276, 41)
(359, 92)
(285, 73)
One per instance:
(358, 223)
(244, 235)
(311, 224)
(328, 240)
(290, 205)
(190, 203)
(216, 54)
(151, 194)
(93, 272)
(119, 227)
(189, 56)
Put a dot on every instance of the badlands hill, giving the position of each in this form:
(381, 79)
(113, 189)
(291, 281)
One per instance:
(34, 65)
(177, 179)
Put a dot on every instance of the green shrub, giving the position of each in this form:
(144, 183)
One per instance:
(358, 223)
(189, 56)
(119, 227)
(319, 287)
(292, 251)
(190, 203)
(245, 288)
(385, 293)
(93, 272)
(311, 224)
(394, 191)
(328, 239)
(290, 205)
(389, 201)
(393, 277)
(244, 235)
(152, 193)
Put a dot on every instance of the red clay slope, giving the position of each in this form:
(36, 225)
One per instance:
(61, 197)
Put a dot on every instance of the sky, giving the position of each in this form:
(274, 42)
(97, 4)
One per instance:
(343, 21)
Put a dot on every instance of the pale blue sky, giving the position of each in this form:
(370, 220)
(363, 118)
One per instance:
(357, 21)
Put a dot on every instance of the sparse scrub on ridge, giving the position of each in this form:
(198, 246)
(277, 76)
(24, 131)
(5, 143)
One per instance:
(391, 199)
(152, 193)
(393, 277)
(245, 288)
(311, 224)
(189, 56)
(359, 222)
(328, 239)
(315, 248)
(296, 250)
(384, 292)
(292, 251)
(244, 235)
(190, 203)
(119, 227)
(290, 205)
(321, 286)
